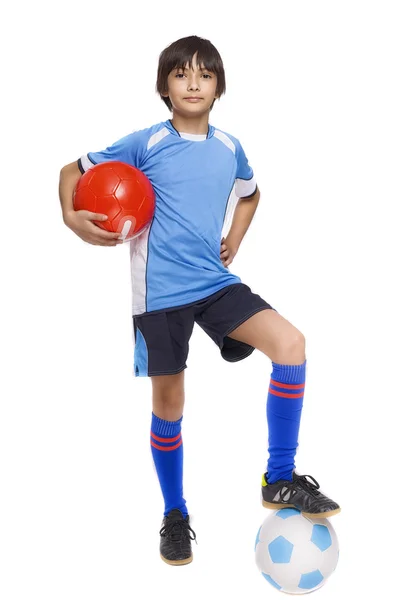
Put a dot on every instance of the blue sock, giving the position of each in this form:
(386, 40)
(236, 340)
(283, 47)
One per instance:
(167, 451)
(284, 405)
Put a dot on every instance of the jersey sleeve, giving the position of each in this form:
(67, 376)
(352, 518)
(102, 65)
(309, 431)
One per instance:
(245, 183)
(129, 149)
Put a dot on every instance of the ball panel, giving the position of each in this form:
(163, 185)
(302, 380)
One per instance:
(280, 550)
(306, 557)
(108, 205)
(321, 537)
(128, 189)
(104, 181)
(310, 580)
(285, 513)
(84, 199)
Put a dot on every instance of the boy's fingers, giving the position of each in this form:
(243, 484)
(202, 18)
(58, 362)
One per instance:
(105, 235)
(108, 235)
(92, 216)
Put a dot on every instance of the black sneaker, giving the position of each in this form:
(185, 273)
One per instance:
(299, 493)
(175, 545)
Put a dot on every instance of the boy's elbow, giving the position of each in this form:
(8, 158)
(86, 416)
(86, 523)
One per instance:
(65, 168)
(71, 168)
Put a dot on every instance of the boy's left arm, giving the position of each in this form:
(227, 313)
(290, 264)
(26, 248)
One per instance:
(242, 217)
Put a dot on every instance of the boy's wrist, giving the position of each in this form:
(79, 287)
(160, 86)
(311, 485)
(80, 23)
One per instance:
(233, 242)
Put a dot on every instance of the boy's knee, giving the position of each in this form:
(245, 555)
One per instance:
(291, 350)
(167, 383)
(168, 396)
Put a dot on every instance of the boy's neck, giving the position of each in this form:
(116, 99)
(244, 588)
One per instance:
(196, 125)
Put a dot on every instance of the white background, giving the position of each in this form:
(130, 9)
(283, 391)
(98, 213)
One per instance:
(313, 96)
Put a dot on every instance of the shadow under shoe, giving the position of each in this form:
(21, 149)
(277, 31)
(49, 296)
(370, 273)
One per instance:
(175, 544)
(299, 493)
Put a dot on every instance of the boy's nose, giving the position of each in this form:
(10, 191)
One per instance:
(193, 84)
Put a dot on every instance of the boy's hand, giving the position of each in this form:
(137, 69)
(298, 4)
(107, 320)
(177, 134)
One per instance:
(228, 252)
(80, 221)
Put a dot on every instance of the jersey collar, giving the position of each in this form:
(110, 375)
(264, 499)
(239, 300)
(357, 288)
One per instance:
(171, 128)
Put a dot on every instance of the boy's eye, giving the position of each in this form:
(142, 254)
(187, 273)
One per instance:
(204, 75)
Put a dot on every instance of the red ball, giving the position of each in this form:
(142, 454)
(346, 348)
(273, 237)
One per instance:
(121, 192)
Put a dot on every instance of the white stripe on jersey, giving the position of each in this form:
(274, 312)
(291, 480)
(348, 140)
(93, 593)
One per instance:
(139, 255)
(86, 162)
(245, 187)
(157, 137)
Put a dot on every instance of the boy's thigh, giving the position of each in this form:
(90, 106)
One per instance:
(162, 342)
(231, 307)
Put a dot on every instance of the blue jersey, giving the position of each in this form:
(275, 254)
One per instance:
(197, 180)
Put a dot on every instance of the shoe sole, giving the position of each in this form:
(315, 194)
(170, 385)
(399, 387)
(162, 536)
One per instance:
(322, 515)
(184, 561)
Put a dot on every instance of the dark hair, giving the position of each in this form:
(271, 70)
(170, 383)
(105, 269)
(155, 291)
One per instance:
(181, 52)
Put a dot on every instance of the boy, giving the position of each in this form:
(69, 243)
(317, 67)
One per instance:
(180, 276)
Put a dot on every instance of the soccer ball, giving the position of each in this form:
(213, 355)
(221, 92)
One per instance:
(294, 553)
(120, 191)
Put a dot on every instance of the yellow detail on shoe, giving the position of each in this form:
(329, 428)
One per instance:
(263, 480)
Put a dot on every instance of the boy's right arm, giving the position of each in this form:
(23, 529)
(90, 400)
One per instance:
(80, 221)
(69, 177)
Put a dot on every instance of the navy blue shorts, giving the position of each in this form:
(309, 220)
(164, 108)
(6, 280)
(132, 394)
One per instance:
(162, 337)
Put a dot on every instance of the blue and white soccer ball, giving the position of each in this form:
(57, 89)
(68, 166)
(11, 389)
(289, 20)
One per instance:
(296, 554)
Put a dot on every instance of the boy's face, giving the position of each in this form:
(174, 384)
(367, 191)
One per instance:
(189, 83)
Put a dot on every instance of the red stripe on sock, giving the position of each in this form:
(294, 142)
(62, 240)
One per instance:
(166, 440)
(283, 395)
(166, 448)
(288, 386)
